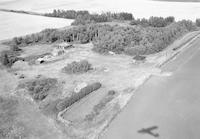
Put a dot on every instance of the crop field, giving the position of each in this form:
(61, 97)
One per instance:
(13, 24)
(180, 11)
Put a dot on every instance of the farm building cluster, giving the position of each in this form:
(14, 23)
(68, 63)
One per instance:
(58, 50)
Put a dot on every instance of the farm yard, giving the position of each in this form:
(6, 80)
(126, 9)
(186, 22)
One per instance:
(48, 87)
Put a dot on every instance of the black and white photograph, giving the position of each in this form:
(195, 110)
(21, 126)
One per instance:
(99, 69)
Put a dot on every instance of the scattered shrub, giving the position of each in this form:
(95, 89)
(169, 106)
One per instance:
(8, 58)
(77, 67)
(39, 88)
(68, 101)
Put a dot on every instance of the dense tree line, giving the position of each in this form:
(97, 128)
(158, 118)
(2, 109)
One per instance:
(140, 40)
(79, 34)
(104, 17)
(84, 17)
(119, 39)
(153, 21)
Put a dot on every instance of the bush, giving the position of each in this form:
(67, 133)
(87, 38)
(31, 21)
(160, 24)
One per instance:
(4, 59)
(77, 67)
(139, 58)
(8, 58)
(136, 50)
(68, 101)
(39, 88)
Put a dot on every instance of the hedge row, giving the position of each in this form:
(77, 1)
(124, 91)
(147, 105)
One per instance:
(68, 101)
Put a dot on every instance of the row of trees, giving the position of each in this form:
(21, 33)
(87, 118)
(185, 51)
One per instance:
(69, 14)
(79, 34)
(84, 17)
(103, 17)
(119, 39)
(153, 21)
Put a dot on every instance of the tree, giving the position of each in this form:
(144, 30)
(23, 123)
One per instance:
(157, 22)
(169, 19)
(5, 59)
(198, 22)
